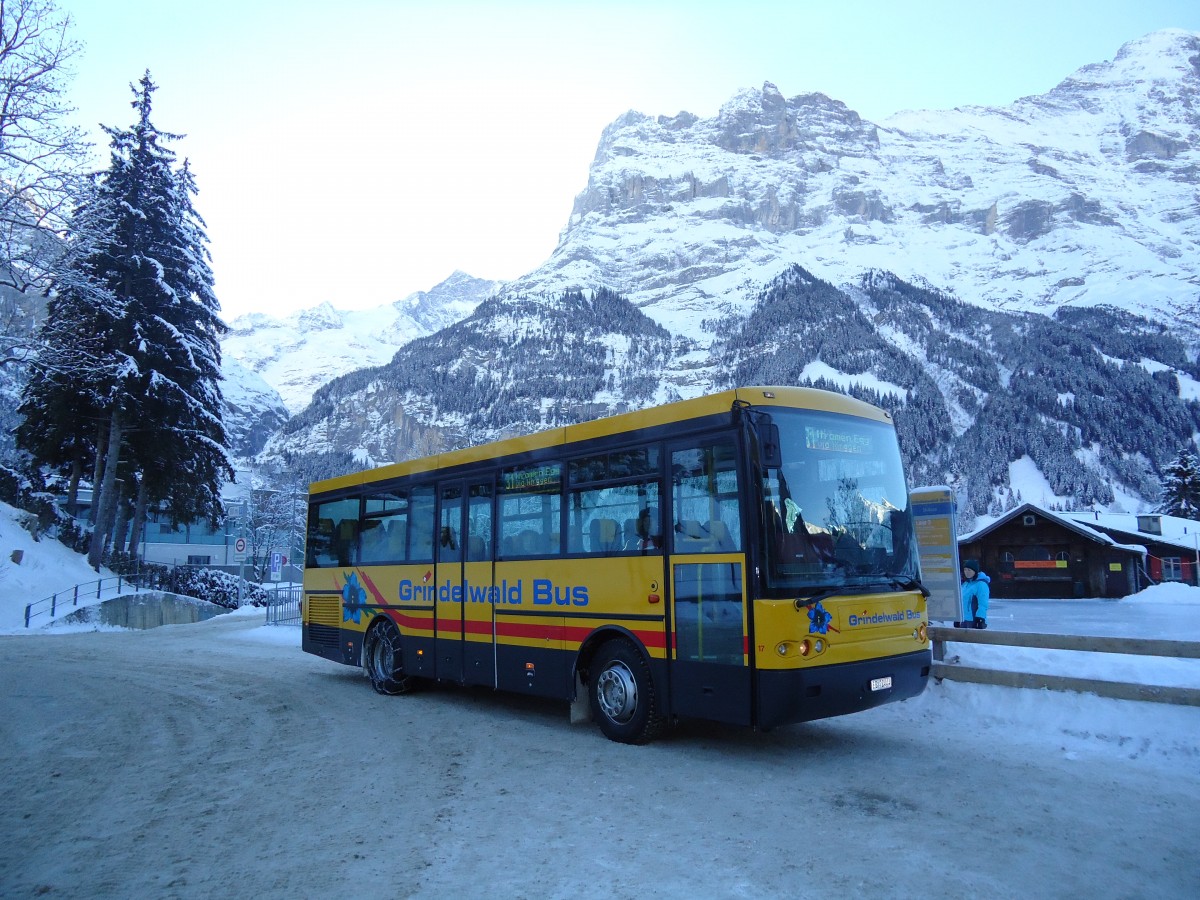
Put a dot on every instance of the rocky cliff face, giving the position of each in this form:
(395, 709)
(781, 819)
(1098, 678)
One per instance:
(1083, 196)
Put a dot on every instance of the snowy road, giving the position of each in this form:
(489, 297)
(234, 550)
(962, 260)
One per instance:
(216, 760)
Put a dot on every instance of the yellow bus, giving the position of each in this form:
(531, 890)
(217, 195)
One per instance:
(746, 557)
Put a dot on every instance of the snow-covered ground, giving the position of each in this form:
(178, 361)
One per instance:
(46, 567)
(217, 759)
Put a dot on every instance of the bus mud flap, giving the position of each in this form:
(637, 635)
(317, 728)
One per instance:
(581, 708)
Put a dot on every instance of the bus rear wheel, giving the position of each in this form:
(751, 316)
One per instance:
(624, 702)
(383, 659)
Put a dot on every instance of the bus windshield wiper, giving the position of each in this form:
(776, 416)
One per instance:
(907, 583)
(806, 602)
(904, 582)
(840, 590)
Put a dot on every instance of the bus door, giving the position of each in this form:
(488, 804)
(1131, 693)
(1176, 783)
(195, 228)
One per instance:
(448, 614)
(710, 657)
(479, 606)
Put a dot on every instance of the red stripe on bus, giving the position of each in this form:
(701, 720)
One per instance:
(410, 622)
(375, 592)
(570, 634)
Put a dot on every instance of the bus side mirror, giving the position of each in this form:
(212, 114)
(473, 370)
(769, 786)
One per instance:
(768, 446)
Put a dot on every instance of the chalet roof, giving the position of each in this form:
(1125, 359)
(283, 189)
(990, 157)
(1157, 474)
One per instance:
(1176, 531)
(1066, 520)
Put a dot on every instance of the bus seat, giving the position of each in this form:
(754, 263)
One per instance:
(689, 538)
(372, 541)
(321, 548)
(395, 540)
(605, 536)
(449, 548)
(347, 532)
(423, 548)
(632, 541)
(654, 520)
(476, 548)
(721, 538)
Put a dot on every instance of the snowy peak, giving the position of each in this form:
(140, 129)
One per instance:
(1157, 60)
(298, 354)
(763, 122)
(320, 318)
(448, 302)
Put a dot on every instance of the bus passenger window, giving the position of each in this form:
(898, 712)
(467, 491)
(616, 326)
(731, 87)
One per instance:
(705, 487)
(479, 522)
(333, 533)
(613, 503)
(421, 525)
(530, 510)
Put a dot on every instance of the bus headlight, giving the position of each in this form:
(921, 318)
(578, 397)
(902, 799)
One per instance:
(806, 647)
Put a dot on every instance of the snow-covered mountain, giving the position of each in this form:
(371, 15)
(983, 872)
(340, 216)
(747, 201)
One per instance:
(999, 270)
(1085, 195)
(253, 409)
(299, 353)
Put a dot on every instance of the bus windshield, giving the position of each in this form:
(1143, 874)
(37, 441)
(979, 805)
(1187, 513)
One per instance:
(836, 511)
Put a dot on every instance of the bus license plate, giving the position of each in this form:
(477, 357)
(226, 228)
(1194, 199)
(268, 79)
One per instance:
(881, 684)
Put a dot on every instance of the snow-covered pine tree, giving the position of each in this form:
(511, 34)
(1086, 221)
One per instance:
(169, 398)
(142, 277)
(72, 374)
(1181, 487)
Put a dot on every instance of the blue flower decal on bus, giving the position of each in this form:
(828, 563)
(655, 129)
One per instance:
(818, 619)
(353, 599)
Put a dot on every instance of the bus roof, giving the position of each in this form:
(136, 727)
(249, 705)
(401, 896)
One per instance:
(679, 411)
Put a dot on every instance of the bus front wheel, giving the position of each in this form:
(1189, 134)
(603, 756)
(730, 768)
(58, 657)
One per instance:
(383, 659)
(624, 702)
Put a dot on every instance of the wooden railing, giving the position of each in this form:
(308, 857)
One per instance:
(1120, 690)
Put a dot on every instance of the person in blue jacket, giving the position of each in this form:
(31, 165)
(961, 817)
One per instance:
(975, 596)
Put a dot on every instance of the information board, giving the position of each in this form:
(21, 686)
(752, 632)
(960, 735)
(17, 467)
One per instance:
(935, 522)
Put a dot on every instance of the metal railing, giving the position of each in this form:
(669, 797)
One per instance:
(91, 590)
(1119, 690)
(150, 580)
(283, 605)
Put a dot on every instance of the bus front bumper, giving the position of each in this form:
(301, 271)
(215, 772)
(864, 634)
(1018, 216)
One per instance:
(800, 695)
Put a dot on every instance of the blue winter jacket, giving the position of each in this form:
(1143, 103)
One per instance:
(975, 596)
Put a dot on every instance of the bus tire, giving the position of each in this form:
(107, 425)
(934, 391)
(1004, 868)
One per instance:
(624, 702)
(383, 659)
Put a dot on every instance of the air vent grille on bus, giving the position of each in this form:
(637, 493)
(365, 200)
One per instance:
(323, 635)
(325, 609)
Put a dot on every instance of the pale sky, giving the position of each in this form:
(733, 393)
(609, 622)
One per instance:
(355, 151)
